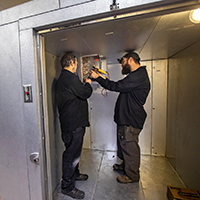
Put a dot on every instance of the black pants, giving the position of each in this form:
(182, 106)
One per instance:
(70, 161)
(129, 150)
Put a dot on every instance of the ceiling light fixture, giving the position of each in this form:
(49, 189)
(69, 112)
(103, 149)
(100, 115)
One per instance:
(195, 16)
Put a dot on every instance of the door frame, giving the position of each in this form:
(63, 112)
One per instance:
(45, 162)
(45, 159)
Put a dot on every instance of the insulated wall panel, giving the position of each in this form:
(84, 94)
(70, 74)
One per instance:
(64, 3)
(145, 138)
(64, 15)
(121, 3)
(27, 9)
(159, 107)
(53, 70)
(172, 109)
(184, 75)
(13, 161)
(32, 125)
(103, 127)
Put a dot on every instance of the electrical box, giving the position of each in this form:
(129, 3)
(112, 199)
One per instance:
(88, 61)
(27, 93)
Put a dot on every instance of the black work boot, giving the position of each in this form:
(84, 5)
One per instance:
(118, 167)
(75, 193)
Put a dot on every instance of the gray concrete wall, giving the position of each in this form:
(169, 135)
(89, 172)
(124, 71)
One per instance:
(183, 115)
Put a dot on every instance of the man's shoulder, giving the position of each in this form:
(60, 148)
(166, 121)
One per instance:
(142, 68)
(65, 74)
(139, 70)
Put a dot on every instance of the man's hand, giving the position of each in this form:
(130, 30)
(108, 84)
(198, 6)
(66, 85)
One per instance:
(88, 80)
(95, 75)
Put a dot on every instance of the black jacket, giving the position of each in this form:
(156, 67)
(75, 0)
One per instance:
(71, 99)
(134, 89)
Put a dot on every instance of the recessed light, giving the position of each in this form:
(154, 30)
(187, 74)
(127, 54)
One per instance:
(195, 16)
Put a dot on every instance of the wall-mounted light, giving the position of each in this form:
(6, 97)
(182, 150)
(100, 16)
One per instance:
(195, 16)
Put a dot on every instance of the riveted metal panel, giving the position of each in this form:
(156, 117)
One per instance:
(31, 123)
(13, 159)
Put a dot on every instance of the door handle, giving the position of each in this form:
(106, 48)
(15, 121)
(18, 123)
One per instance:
(34, 157)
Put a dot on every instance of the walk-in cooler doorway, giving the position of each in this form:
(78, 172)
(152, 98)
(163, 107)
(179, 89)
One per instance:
(167, 45)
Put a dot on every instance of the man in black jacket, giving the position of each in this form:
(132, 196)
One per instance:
(72, 104)
(129, 113)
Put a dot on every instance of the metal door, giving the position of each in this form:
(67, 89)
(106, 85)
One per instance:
(31, 49)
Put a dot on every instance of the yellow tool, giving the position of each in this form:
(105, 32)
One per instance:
(99, 70)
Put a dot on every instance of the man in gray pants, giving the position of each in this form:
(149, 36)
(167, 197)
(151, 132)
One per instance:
(129, 113)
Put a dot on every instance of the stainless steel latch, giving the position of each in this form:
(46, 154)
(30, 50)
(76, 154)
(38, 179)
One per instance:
(34, 157)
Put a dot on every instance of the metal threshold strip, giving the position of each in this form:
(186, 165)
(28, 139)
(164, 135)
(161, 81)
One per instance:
(153, 12)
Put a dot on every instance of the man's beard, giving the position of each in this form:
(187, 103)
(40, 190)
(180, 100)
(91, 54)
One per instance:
(126, 69)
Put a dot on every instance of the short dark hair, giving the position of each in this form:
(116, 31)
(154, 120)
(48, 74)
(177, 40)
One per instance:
(66, 59)
(133, 55)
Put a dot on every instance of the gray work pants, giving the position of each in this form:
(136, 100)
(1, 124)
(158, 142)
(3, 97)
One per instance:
(129, 150)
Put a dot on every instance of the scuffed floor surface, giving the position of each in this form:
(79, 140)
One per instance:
(156, 173)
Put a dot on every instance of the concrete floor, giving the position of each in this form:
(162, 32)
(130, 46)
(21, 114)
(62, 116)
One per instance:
(156, 173)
